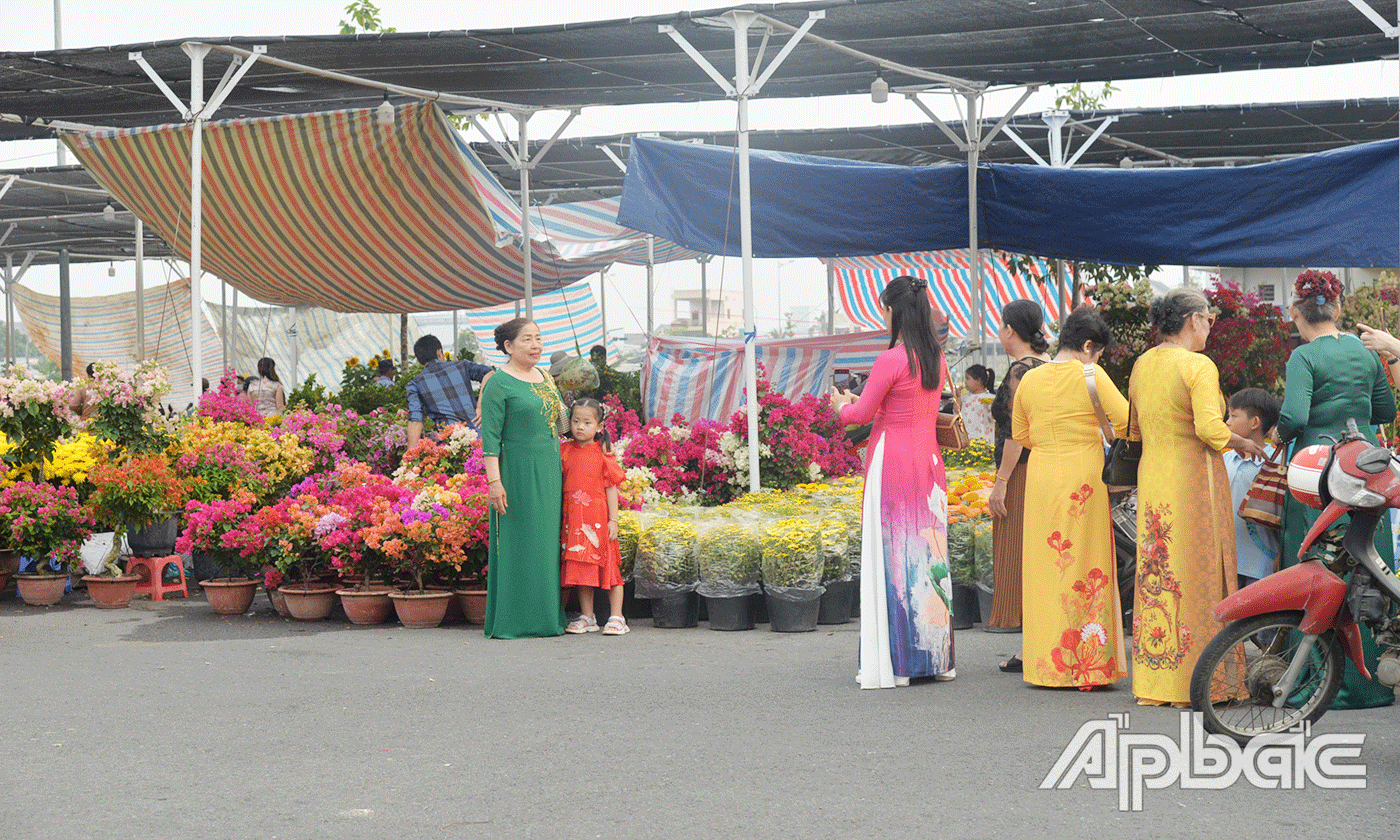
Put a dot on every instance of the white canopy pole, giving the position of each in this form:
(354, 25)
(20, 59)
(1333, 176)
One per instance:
(524, 157)
(233, 333)
(830, 297)
(974, 255)
(196, 52)
(603, 307)
(9, 309)
(141, 291)
(651, 277)
(742, 20)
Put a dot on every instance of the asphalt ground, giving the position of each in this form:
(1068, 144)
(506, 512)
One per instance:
(167, 721)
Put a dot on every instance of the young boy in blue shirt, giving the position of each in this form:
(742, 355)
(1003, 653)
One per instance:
(1253, 413)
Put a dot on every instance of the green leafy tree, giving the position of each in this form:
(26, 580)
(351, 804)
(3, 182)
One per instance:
(363, 17)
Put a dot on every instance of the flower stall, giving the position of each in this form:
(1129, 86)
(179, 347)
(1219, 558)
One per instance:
(326, 507)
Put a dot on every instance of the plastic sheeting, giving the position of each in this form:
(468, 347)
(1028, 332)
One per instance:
(803, 205)
(1335, 208)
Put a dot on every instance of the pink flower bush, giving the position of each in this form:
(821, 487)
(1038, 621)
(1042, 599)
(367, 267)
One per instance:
(685, 460)
(224, 404)
(799, 441)
(319, 432)
(43, 522)
(209, 527)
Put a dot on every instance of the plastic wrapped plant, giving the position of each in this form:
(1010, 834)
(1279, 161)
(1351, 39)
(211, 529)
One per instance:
(729, 553)
(629, 531)
(666, 557)
(792, 555)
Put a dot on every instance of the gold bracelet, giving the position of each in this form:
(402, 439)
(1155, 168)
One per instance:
(495, 481)
(1001, 477)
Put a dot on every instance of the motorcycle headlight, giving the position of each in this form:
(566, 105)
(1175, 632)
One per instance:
(1350, 490)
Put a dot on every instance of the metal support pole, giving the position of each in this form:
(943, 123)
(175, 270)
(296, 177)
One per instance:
(603, 308)
(65, 318)
(974, 255)
(1061, 290)
(525, 164)
(196, 54)
(9, 309)
(223, 325)
(233, 333)
(456, 336)
(741, 23)
(704, 297)
(403, 341)
(830, 298)
(651, 276)
(294, 330)
(141, 291)
(58, 45)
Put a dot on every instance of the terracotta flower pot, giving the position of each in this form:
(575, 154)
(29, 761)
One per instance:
(41, 590)
(369, 606)
(309, 601)
(419, 612)
(9, 561)
(454, 605)
(473, 604)
(111, 593)
(229, 596)
(279, 602)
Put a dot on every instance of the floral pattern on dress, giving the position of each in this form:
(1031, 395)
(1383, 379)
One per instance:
(1085, 654)
(977, 416)
(1160, 639)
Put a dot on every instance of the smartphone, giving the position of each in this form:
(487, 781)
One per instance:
(841, 378)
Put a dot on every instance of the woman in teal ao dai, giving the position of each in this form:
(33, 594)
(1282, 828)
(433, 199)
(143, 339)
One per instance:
(906, 627)
(1329, 380)
(520, 447)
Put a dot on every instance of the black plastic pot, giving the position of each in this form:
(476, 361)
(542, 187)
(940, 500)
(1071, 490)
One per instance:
(676, 611)
(732, 613)
(965, 609)
(984, 601)
(793, 615)
(632, 606)
(156, 539)
(855, 602)
(835, 605)
(760, 607)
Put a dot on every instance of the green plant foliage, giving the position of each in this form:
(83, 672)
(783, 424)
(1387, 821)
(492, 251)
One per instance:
(792, 553)
(1376, 305)
(309, 394)
(729, 554)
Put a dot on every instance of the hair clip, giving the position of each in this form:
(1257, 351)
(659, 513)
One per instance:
(1322, 300)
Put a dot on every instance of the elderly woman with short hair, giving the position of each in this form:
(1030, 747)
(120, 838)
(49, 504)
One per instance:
(1186, 526)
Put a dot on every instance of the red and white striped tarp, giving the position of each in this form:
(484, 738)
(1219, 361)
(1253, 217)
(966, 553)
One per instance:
(860, 280)
(703, 378)
(334, 210)
(570, 320)
(104, 328)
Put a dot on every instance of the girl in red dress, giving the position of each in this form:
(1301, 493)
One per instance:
(590, 558)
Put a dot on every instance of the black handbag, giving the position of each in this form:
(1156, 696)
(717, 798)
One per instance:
(1120, 465)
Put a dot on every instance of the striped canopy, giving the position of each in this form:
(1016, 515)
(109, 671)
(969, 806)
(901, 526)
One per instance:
(860, 280)
(569, 319)
(104, 328)
(703, 379)
(334, 210)
(324, 340)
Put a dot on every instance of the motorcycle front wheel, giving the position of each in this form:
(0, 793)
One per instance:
(1233, 683)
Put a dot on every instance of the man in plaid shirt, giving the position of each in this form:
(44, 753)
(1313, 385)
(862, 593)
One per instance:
(443, 390)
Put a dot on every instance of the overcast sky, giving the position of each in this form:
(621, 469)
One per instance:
(29, 25)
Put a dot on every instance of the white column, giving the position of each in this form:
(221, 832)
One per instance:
(524, 157)
(196, 54)
(603, 308)
(141, 291)
(830, 298)
(741, 84)
(974, 256)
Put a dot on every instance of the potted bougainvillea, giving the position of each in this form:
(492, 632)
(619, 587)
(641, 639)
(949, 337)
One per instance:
(47, 525)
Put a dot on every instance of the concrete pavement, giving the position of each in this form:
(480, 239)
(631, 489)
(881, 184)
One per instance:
(167, 721)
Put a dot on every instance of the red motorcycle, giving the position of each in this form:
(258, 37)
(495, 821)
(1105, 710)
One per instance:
(1279, 661)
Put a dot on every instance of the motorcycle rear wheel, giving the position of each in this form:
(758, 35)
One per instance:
(1232, 684)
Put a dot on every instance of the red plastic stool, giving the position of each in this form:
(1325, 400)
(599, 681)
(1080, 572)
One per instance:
(154, 584)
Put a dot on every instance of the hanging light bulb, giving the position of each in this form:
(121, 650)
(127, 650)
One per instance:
(109, 213)
(384, 114)
(879, 89)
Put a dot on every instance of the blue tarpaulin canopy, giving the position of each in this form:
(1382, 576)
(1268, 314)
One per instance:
(1335, 208)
